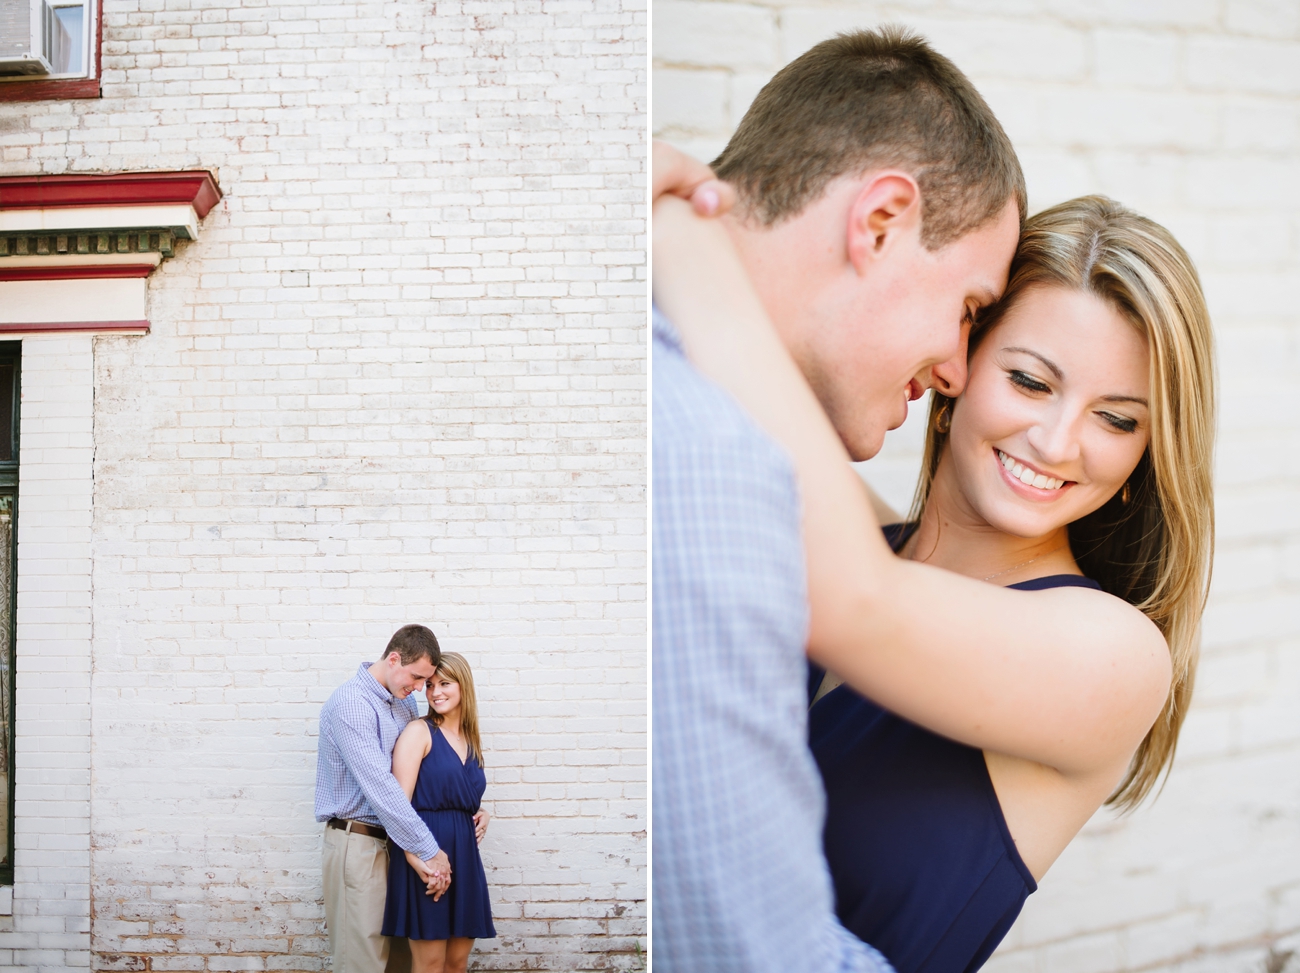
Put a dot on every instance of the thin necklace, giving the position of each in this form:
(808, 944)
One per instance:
(1023, 563)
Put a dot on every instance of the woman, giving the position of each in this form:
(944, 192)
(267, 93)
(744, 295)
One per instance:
(1076, 465)
(439, 763)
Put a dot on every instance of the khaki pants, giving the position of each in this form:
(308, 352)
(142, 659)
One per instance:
(354, 868)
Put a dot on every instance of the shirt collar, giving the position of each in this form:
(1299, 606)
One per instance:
(371, 685)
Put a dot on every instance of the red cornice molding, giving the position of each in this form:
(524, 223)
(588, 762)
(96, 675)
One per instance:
(74, 326)
(85, 272)
(195, 187)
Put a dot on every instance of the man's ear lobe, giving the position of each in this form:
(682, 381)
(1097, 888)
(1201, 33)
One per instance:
(887, 208)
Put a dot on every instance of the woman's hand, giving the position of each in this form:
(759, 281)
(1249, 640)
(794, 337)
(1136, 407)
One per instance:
(677, 173)
(480, 825)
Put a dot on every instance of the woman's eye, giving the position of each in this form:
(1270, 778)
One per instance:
(1122, 423)
(1027, 382)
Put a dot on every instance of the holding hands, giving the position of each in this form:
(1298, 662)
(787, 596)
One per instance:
(436, 872)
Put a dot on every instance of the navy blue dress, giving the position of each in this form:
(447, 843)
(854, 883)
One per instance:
(447, 794)
(923, 865)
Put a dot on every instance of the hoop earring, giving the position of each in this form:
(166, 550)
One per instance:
(1125, 494)
(943, 418)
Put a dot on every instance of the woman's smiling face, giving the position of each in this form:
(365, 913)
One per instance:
(1054, 417)
(443, 693)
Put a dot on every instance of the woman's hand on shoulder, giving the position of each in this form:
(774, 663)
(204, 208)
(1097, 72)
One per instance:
(677, 173)
(481, 818)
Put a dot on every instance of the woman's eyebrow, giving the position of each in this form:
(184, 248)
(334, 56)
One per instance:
(1124, 398)
(1055, 368)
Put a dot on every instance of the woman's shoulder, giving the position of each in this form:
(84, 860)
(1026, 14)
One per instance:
(419, 730)
(1106, 619)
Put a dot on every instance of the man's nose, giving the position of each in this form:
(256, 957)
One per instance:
(949, 376)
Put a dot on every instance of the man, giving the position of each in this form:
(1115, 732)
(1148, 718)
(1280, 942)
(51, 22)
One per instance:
(362, 804)
(879, 207)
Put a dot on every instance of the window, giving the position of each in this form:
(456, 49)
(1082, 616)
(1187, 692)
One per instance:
(10, 355)
(48, 49)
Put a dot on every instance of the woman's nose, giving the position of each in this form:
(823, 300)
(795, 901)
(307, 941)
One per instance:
(1055, 439)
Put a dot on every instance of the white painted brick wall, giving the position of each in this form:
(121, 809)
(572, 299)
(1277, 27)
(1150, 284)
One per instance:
(50, 926)
(400, 377)
(1189, 111)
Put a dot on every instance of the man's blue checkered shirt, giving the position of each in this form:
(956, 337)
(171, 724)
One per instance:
(740, 881)
(354, 762)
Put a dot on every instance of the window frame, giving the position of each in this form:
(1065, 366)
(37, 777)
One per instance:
(85, 85)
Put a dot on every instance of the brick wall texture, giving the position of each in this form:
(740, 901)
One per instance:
(1188, 111)
(399, 378)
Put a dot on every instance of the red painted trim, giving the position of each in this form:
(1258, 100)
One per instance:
(85, 272)
(75, 326)
(195, 187)
(69, 88)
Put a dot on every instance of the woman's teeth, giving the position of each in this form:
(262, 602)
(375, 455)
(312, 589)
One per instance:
(1028, 476)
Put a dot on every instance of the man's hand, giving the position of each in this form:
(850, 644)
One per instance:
(435, 873)
(440, 875)
(480, 825)
(677, 173)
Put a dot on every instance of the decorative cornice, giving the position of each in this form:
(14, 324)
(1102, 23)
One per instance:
(27, 244)
(76, 272)
(196, 188)
(96, 327)
(79, 246)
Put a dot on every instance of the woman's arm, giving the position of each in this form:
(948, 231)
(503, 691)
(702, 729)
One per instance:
(880, 508)
(1066, 677)
(412, 746)
(677, 173)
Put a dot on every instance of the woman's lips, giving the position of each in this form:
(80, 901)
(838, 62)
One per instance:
(914, 390)
(1013, 472)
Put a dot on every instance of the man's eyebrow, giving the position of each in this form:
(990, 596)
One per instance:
(986, 296)
(1055, 368)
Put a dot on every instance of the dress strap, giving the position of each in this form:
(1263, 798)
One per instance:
(1056, 581)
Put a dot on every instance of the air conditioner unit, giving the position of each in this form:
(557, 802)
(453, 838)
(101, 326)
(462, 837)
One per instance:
(32, 39)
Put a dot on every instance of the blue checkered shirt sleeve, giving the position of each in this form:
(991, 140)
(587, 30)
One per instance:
(740, 880)
(354, 778)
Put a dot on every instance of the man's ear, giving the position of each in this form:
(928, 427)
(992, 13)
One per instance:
(887, 209)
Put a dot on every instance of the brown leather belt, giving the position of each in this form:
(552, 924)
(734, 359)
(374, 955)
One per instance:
(356, 827)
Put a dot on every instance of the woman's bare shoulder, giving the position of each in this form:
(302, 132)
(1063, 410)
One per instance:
(1107, 620)
(418, 731)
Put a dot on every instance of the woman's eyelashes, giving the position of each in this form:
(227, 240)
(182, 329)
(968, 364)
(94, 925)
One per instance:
(1027, 382)
(1122, 423)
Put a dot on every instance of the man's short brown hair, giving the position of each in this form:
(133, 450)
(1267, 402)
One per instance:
(413, 643)
(874, 99)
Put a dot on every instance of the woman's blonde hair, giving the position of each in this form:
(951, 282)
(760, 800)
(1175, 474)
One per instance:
(1152, 543)
(456, 668)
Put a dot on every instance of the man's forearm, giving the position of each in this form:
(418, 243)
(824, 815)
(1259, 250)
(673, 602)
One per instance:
(370, 767)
